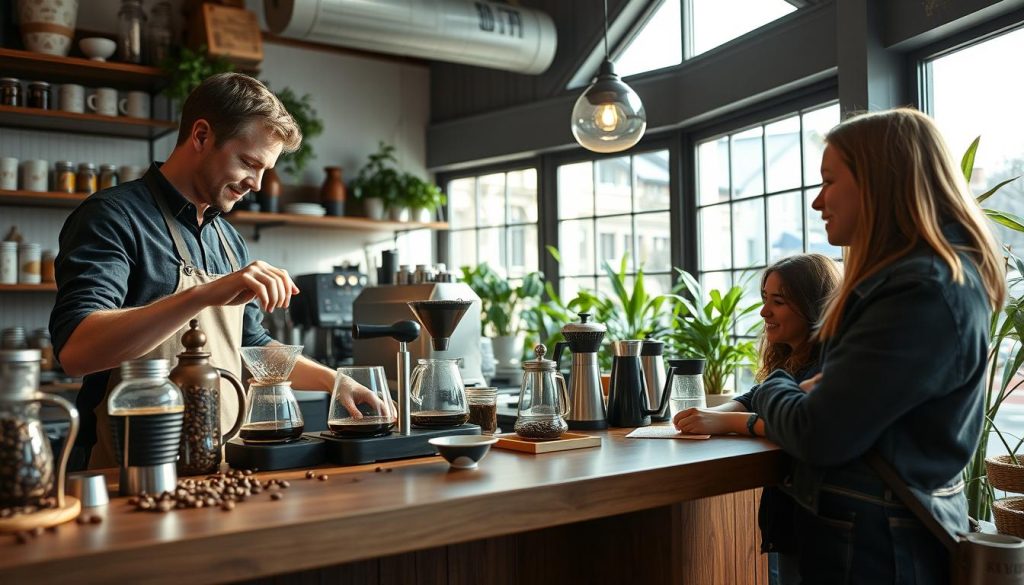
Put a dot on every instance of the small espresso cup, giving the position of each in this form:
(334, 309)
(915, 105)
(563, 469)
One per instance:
(136, 105)
(72, 98)
(35, 175)
(103, 101)
(8, 173)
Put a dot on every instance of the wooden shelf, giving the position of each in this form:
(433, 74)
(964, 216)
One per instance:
(265, 220)
(41, 198)
(93, 124)
(44, 287)
(38, 67)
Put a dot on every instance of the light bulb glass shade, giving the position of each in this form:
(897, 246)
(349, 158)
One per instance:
(609, 116)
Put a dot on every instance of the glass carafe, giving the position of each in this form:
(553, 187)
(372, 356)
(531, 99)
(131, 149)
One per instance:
(376, 418)
(272, 414)
(28, 477)
(686, 384)
(437, 394)
(543, 400)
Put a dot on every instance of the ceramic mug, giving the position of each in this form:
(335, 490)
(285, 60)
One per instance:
(72, 98)
(136, 105)
(35, 175)
(8, 173)
(103, 101)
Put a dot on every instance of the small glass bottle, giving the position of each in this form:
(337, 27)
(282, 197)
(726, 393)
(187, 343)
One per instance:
(65, 176)
(108, 176)
(85, 182)
(130, 22)
(39, 95)
(159, 33)
(483, 408)
(10, 91)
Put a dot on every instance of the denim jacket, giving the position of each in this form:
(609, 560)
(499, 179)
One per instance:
(904, 375)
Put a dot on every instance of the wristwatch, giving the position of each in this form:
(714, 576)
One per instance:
(751, 421)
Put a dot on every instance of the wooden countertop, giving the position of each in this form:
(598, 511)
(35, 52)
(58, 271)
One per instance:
(360, 513)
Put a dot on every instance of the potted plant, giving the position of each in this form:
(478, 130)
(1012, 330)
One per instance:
(706, 331)
(379, 182)
(186, 69)
(423, 198)
(309, 123)
(501, 306)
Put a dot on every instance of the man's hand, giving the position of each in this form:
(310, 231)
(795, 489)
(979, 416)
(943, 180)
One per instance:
(810, 383)
(271, 285)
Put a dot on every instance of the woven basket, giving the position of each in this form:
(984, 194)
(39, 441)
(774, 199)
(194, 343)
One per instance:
(1004, 475)
(1009, 513)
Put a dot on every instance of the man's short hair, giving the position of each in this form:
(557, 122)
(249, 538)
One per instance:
(229, 102)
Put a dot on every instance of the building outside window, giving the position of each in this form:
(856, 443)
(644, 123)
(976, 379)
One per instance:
(493, 219)
(610, 209)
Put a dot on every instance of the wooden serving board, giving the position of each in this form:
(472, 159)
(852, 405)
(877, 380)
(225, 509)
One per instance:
(567, 441)
(43, 518)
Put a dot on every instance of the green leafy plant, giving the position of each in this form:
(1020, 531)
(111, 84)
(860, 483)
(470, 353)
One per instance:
(308, 121)
(1006, 330)
(629, 312)
(707, 331)
(188, 68)
(501, 302)
(420, 194)
(379, 178)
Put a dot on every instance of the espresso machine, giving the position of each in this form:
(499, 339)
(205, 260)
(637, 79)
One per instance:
(388, 304)
(323, 312)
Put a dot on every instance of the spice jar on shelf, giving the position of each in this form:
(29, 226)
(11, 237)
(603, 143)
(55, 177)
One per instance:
(159, 33)
(46, 266)
(10, 91)
(108, 176)
(85, 181)
(8, 262)
(38, 95)
(130, 22)
(65, 176)
(28, 264)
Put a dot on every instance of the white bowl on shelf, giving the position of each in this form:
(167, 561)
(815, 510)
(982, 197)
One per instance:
(97, 48)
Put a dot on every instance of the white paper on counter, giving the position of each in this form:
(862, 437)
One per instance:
(662, 432)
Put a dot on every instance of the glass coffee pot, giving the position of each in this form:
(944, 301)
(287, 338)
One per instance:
(686, 384)
(29, 470)
(376, 418)
(272, 414)
(437, 394)
(543, 399)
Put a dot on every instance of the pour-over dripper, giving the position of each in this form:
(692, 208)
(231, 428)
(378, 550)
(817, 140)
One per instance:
(440, 318)
(270, 364)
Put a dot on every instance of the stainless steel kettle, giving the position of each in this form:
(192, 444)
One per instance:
(653, 365)
(586, 400)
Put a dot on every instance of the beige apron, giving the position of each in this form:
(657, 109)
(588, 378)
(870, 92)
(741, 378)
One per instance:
(222, 325)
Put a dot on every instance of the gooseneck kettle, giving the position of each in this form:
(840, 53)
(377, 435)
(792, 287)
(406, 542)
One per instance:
(627, 393)
(586, 399)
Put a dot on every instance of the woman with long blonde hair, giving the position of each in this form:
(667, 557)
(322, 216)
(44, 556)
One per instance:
(905, 341)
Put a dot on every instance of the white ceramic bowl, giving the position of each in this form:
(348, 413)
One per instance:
(463, 451)
(97, 48)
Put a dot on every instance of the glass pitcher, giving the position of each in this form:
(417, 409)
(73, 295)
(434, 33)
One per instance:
(377, 417)
(686, 384)
(543, 399)
(25, 455)
(272, 414)
(437, 394)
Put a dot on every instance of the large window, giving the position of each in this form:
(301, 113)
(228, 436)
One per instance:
(493, 219)
(754, 193)
(612, 209)
(976, 92)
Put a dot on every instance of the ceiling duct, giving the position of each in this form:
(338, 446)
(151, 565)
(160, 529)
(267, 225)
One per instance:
(486, 34)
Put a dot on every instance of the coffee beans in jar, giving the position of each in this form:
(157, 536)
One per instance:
(26, 462)
(86, 182)
(545, 428)
(10, 91)
(39, 95)
(199, 451)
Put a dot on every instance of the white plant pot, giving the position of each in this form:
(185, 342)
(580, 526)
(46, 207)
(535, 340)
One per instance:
(507, 350)
(423, 215)
(47, 26)
(374, 208)
(400, 214)
(714, 400)
(487, 362)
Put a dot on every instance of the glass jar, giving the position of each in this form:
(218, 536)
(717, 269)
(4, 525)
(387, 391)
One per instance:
(38, 95)
(29, 258)
(483, 408)
(687, 385)
(108, 176)
(65, 176)
(30, 476)
(85, 181)
(543, 399)
(10, 91)
(40, 339)
(8, 262)
(130, 22)
(437, 395)
(158, 33)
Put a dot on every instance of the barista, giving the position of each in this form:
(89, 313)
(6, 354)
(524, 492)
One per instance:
(139, 260)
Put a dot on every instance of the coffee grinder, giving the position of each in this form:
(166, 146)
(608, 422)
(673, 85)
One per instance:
(440, 318)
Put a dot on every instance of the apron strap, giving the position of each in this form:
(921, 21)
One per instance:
(232, 259)
(172, 224)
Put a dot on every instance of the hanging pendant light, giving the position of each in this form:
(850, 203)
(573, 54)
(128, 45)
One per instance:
(609, 116)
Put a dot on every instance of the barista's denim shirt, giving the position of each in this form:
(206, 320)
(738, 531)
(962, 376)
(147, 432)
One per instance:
(904, 375)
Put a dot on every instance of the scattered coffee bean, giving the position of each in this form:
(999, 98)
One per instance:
(96, 519)
(20, 537)
(227, 506)
(379, 469)
(310, 474)
(51, 528)
(322, 477)
(37, 532)
(276, 496)
(82, 519)
(388, 470)
(284, 484)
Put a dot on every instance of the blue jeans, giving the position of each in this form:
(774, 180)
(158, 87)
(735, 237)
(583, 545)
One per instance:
(863, 535)
(783, 569)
